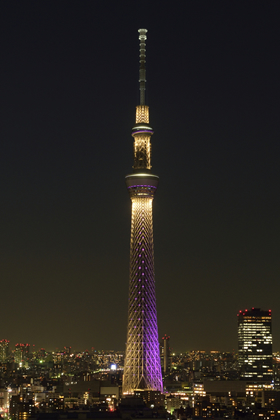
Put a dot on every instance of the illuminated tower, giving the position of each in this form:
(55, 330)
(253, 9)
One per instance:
(255, 345)
(142, 370)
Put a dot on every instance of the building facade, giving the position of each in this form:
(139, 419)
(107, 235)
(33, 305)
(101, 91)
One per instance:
(255, 345)
(4, 350)
(142, 368)
(165, 354)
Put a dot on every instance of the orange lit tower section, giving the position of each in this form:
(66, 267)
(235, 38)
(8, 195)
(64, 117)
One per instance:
(142, 368)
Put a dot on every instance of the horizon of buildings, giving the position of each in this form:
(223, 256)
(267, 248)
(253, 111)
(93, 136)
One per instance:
(38, 384)
(4, 341)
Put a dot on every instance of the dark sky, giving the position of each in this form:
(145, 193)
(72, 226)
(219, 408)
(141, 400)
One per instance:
(69, 87)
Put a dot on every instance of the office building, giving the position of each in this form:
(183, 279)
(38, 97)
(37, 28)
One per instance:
(165, 354)
(4, 350)
(255, 345)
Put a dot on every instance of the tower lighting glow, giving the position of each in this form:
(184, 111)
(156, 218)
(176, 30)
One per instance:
(142, 368)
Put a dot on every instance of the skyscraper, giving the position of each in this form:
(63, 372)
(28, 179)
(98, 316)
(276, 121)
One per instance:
(255, 345)
(142, 369)
(165, 354)
(21, 353)
(4, 350)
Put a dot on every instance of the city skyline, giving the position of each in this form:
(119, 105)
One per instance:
(68, 92)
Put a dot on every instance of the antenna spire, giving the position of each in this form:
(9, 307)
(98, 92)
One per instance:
(142, 69)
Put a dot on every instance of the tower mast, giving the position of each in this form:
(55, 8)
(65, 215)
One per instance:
(142, 69)
(142, 368)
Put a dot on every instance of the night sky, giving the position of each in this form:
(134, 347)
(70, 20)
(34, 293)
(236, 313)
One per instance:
(69, 87)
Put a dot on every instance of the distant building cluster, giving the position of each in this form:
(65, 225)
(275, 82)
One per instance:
(37, 382)
(197, 384)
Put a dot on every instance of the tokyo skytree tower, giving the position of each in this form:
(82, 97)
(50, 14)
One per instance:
(142, 368)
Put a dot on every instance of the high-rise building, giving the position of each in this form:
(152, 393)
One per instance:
(4, 350)
(255, 345)
(142, 369)
(165, 354)
(21, 354)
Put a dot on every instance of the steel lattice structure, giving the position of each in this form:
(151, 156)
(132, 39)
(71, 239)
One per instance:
(142, 368)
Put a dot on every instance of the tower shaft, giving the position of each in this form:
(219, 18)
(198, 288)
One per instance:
(142, 368)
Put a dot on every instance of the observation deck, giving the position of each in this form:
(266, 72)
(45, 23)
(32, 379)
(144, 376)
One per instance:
(142, 184)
